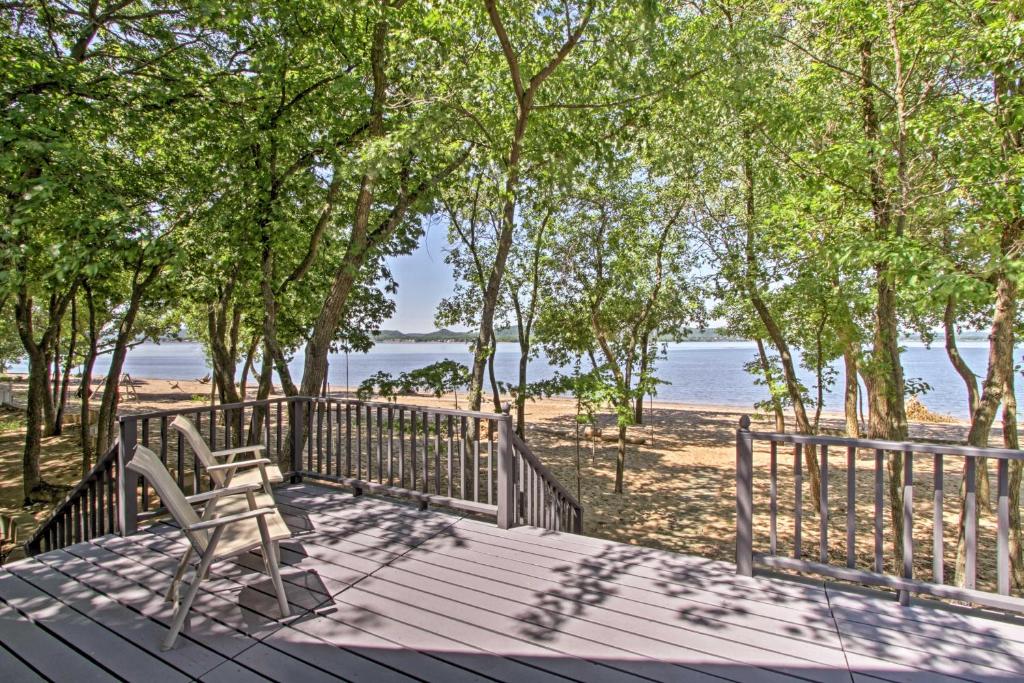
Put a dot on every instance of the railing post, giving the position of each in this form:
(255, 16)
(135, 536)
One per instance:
(127, 481)
(744, 499)
(298, 427)
(506, 472)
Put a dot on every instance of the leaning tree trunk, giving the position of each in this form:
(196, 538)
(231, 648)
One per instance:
(851, 389)
(620, 456)
(769, 378)
(970, 381)
(524, 359)
(998, 378)
(32, 480)
(62, 395)
(1016, 467)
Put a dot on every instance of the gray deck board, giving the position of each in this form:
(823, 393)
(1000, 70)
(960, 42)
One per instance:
(384, 591)
(83, 634)
(15, 670)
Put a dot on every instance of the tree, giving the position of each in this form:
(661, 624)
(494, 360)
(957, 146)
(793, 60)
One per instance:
(623, 280)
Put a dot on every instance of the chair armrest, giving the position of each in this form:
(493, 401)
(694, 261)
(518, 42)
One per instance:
(255, 448)
(260, 462)
(229, 519)
(226, 491)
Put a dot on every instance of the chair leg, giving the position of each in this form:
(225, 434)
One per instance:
(179, 615)
(172, 592)
(275, 574)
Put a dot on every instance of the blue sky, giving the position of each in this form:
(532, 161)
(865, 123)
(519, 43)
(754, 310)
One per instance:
(423, 280)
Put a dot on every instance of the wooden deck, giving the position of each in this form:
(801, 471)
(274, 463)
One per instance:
(382, 591)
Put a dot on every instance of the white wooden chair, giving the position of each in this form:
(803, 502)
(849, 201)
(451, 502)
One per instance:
(236, 519)
(224, 473)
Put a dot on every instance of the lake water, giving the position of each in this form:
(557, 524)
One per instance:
(699, 372)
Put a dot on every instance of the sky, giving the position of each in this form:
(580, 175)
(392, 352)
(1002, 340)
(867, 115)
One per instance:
(423, 280)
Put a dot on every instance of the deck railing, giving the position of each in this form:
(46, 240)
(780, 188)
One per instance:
(903, 579)
(88, 511)
(541, 500)
(459, 459)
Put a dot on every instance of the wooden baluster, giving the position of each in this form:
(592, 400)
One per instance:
(823, 508)
(280, 432)
(413, 438)
(798, 513)
(163, 440)
(391, 446)
(338, 449)
(100, 517)
(1003, 526)
(462, 459)
(426, 453)
(971, 523)
(369, 443)
(380, 445)
(490, 461)
(348, 439)
(112, 501)
(142, 480)
(308, 420)
(879, 463)
(908, 522)
(449, 453)
(938, 571)
(773, 504)
(851, 507)
(437, 453)
(359, 442)
(401, 448)
(330, 439)
(476, 459)
(320, 406)
(266, 431)
(179, 451)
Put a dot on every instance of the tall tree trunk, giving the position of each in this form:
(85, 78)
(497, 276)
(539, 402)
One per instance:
(645, 362)
(62, 396)
(851, 389)
(38, 390)
(85, 385)
(524, 360)
(769, 378)
(998, 377)
(52, 360)
(984, 495)
(105, 423)
(620, 457)
(1016, 475)
(495, 394)
(886, 412)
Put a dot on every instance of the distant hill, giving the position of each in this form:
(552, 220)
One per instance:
(509, 334)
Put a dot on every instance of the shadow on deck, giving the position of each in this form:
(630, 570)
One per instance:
(383, 591)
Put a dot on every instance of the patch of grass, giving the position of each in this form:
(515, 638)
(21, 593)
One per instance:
(199, 398)
(11, 420)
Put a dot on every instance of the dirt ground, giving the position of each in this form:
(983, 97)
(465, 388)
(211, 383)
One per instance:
(680, 483)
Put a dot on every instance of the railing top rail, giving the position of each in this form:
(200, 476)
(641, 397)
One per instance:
(879, 444)
(483, 415)
(535, 462)
(207, 408)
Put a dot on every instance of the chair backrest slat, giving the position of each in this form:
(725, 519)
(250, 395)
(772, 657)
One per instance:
(146, 463)
(198, 444)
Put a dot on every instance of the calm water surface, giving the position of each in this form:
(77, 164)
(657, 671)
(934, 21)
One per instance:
(698, 372)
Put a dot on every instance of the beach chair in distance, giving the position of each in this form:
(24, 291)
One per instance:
(229, 471)
(233, 523)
